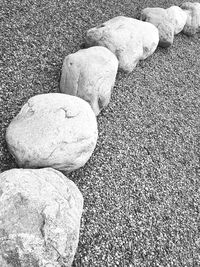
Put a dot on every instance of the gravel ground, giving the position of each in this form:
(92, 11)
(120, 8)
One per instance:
(141, 186)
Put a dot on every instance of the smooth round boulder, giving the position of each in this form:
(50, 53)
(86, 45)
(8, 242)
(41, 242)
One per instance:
(129, 39)
(90, 74)
(192, 11)
(40, 213)
(53, 130)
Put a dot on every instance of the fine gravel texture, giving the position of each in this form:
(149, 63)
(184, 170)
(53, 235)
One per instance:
(141, 186)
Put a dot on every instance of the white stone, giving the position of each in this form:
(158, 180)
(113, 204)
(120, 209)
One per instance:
(169, 22)
(192, 11)
(160, 19)
(40, 212)
(129, 39)
(53, 130)
(90, 74)
(177, 17)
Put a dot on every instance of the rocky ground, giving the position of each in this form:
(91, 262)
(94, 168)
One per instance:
(141, 186)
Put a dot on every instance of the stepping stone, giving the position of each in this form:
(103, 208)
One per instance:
(53, 130)
(40, 213)
(192, 11)
(90, 74)
(177, 17)
(168, 21)
(129, 39)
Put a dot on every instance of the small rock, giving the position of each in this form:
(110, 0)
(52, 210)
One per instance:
(177, 17)
(90, 74)
(53, 130)
(192, 11)
(159, 18)
(129, 39)
(40, 212)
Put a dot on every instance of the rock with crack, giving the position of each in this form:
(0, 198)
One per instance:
(53, 130)
(90, 74)
(40, 212)
(129, 39)
(192, 11)
(168, 21)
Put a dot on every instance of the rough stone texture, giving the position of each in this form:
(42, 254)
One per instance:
(159, 17)
(90, 74)
(177, 17)
(147, 213)
(129, 39)
(192, 25)
(40, 212)
(53, 130)
(169, 22)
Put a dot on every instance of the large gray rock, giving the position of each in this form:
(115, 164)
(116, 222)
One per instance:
(192, 11)
(40, 212)
(159, 18)
(129, 39)
(53, 130)
(90, 74)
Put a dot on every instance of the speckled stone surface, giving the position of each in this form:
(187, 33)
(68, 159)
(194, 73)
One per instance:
(40, 212)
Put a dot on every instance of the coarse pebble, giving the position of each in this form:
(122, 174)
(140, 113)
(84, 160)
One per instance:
(141, 186)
